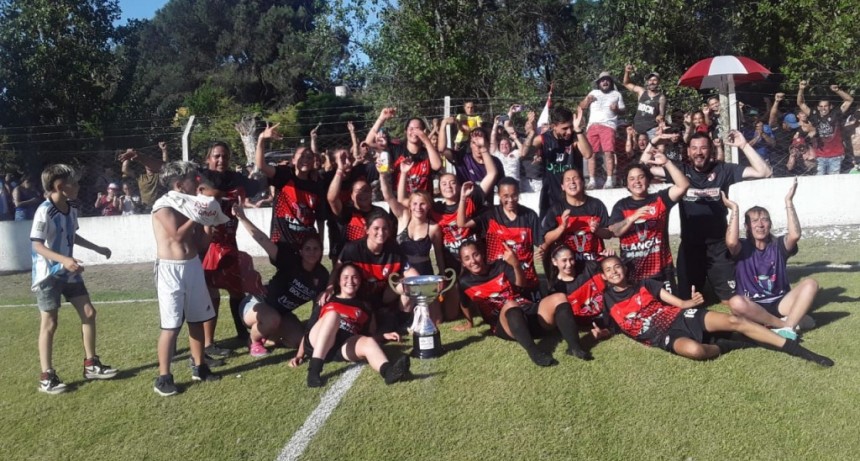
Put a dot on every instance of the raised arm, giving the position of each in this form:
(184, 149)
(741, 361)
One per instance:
(793, 235)
(271, 132)
(494, 143)
(442, 140)
(126, 169)
(432, 153)
(801, 101)
(647, 157)
(773, 116)
(386, 114)
(531, 131)
(696, 299)
(261, 238)
(385, 184)
(132, 155)
(581, 141)
(629, 83)
(758, 167)
(489, 163)
(162, 146)
(353, 138)
(84, 243)
(680, 182)
(847, 99)
(314, 134)
(333, 195)
(511, 259)
(465, 192)
(733, 242)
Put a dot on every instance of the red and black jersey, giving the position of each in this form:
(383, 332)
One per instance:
(646, 243)
(419, 175)
(446, 216)
(376, 268)
(584, 293)
(639, 312)
(234, 187)
(490, 292)
(520, 234)
(583, 222)
(354, 315)
(297, 205)
(353, 222)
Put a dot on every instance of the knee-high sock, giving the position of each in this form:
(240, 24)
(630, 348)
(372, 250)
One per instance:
(566, 324)
(520, 330)
(791, 347)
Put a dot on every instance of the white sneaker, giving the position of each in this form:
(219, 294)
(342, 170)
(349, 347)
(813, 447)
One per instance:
(591, 185)
(610, 183)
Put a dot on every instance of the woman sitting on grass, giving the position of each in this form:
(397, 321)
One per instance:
(648, 313)
(339, 332)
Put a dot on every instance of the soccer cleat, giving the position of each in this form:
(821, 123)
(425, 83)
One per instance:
(50, 383)
(164, 386)
(396, 371)
(257, 349)
(95, 369)
(213, 350)
(203, 373)
(785, 332)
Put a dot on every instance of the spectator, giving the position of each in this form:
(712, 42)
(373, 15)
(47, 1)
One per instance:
(558, 151)
(466, 122)
(760, 138)
(828, 122)
(5, 200)
(784, 130)
(604, 104)
(418, 149)
(694, 123)
(711, 110)
(26, 198)
(130, 199)
(502, 146)
(801, 158)
(651, 107)
(109, 203)
(469, 162)
(702, 254)
(147, 183)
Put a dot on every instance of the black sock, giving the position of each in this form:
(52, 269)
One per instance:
(314, 369)
(238, 322)
(791, 347)
(727, 345)
(566, 324)
(520, 330)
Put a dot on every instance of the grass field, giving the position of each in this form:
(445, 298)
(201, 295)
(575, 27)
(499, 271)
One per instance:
(482, 400)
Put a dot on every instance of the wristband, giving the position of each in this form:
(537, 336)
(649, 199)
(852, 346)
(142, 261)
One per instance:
(577, 132)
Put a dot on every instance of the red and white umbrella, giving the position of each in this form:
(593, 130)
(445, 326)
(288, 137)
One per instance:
(717, 71)
(723, 73)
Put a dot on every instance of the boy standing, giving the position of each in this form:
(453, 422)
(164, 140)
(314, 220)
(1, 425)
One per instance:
(56, 272)
(177, 221)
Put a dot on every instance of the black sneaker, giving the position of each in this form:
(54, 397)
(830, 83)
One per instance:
(203, 373)
(397, 371)
(164, 386)
(50, 383)
(95, 369)
(214, 350)
(208, 360)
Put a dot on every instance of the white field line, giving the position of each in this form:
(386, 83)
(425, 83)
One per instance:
(98, 303)
(294, 449)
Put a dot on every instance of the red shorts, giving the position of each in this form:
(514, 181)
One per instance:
(601, 138)
(233, 270)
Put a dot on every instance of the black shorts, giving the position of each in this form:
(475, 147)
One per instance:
(700, 261)
(532, 317)
(334, 354)
(772, 306)
(690, 324)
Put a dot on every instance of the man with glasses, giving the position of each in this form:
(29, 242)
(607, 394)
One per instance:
(828, 122)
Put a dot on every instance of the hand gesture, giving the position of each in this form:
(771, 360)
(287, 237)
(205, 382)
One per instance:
(660, 119)
(478, 142)
(449, 120)
(718, 142)
(629, 68)
(270, 132)
(391, 336)
(834, 88)
(238, 211)
(577, 118)
(741, 105)
(696, 298)
(791, 190)
(599, 333)
(350, 126)
(688, 119)
(613, 107)
(705, 109)
(129, 154)
(162, 145)
(388, 113)
(434, 124)
(736, 139)
(565, 222)
(405, 166)
(342, 161)
(728, 203)
(104, 251)
(315, 130)
(779, 97)
(325, 295)
(658, 158)
(631, 133)
(466, 189)
(802, 85)
(509, 257)
(496, 121)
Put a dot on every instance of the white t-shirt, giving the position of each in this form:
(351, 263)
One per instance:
(599, 111)
(510, 163)
(57, 231)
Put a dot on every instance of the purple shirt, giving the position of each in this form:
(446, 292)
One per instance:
(761, 274)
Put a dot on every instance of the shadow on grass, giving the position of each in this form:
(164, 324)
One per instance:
(460, 344)
(829, 295)
(826, 318)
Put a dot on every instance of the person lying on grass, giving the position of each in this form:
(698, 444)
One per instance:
(763, 293)
(340, 332)
(494, 290)
(294, 284)
(648, 313)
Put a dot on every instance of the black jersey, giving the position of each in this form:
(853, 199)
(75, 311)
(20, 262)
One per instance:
(292, 286)
(376, 268)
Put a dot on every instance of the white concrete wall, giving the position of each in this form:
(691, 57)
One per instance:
(820, 201)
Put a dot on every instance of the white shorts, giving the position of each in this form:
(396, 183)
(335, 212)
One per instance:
(182, 293)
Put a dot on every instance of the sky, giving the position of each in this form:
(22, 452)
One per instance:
(139, 9)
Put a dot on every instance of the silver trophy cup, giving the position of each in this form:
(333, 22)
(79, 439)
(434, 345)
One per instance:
(424, 289)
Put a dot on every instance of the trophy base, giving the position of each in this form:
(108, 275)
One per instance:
(427, 347)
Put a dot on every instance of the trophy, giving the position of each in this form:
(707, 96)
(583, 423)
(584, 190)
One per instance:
(424, 289)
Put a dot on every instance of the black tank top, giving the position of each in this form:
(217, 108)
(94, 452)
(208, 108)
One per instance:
(417, 252)
(558, 156)
(646, 112)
